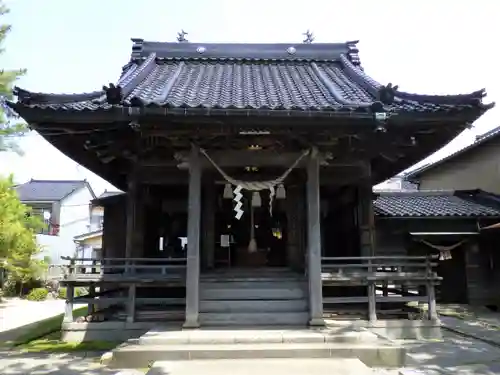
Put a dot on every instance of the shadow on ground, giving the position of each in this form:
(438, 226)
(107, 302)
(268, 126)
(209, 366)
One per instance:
(16, 363)
(454, 355)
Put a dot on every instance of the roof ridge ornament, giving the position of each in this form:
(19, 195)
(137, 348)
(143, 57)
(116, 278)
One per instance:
(113, 94)
(386, 94)
(309, 37)
(181, 37)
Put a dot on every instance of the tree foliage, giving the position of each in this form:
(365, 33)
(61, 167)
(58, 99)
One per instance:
(8, 128)
(18, 245)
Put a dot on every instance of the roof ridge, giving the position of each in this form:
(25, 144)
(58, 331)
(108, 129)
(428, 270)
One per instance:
(415, 193)
(58, 181)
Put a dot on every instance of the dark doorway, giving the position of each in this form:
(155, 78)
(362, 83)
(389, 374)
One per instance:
(269, 227)
(453, 287)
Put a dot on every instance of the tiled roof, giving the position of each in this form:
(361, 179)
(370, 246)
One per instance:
(49, 190)
(431, 204)
(300, 77)
(106, 194)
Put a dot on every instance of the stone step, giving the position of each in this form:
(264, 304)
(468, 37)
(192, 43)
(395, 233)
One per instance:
(252, 306)
(164, 336)
(255, 319)
(279, 366)
(139, 356)
(235, 293)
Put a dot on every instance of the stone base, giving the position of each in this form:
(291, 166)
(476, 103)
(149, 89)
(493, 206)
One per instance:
(191, 325)
(104, 331)
(398, 329)
(317, 322)
(341, 366)
(204, 344)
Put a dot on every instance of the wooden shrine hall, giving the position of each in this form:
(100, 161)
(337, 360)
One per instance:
(248, 171)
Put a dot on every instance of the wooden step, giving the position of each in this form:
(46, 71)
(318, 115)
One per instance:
(252, 306)
(271, 293)
(254, 319)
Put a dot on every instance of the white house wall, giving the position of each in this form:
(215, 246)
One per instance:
(74, 220)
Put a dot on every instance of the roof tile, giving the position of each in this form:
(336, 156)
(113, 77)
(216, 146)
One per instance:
(430, 204)
(318, 77)
(47, 190)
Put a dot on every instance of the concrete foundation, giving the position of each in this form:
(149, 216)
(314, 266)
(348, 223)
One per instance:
(104, 331)
(398, 329)
(205, 344)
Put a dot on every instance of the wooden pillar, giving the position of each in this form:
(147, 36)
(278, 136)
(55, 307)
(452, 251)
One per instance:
(314, 242)
(68, 309)
(208, 225)
(294, 246)
(193, 241)
(131, 213)
(366, 218)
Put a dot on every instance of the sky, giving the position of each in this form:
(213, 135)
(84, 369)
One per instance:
(424, 46)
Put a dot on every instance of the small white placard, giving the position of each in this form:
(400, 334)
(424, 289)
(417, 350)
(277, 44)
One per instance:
(224, 240)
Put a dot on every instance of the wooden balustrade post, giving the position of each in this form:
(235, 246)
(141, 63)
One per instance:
(431, 293)
(372, 303)
(131, 303)
(91, 306)
(68, 309)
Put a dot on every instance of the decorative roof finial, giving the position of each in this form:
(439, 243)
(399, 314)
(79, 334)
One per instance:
(181, 37)
(309, 37)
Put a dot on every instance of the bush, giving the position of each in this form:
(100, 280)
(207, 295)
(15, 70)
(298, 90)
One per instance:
(38, 294)
(62, 292)
(9, 288)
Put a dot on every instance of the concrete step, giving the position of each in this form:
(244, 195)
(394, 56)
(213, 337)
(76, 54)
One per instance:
(280, 366)
(139, 356)
(251, 306)
(261, 293)
(164, 336)
(255, 319)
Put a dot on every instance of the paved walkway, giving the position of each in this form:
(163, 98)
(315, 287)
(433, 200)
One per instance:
(17, 313)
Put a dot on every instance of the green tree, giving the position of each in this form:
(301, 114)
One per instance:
(9, 127)
(18, 245)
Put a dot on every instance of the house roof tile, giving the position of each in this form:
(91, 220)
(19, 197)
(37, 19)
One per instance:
(49, 190)
(417, 204)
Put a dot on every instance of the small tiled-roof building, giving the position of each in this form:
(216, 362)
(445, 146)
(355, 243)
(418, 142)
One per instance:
(417, 222)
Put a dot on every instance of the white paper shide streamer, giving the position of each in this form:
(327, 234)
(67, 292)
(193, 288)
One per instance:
(254, 186)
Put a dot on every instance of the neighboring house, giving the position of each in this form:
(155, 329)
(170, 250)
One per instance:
(89, 243)
(396, 183)
(65, 208)
(476, 166)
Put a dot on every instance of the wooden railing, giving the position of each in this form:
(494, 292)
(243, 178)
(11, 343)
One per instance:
(388, 274)
(82, 269)
(133, 272)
